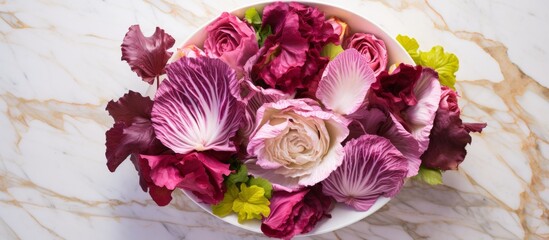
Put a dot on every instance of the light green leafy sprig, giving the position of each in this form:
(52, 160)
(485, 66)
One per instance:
(430, 176)
(251, 203)
(262, 183)
(261, 32)
(240, 176)
(247, 196)
(225, 207)
(446, 64)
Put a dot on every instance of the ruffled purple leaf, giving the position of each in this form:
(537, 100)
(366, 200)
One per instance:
(378, 122)
(194, 108)
(411, 94)
(345, 82)
(147, 56)
(372, 168)
(132, 132)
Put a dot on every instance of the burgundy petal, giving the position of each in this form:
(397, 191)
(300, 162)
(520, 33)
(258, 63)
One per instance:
(147, 56)
(132, 132)
(449, 135)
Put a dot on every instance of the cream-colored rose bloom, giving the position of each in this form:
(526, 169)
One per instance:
(296, 143)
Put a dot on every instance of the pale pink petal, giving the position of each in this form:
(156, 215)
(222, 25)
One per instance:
(421, 116)
(256, 146)
(345, 82)
(333, 159)
(256, 98)
(279, 182)
(194, 108)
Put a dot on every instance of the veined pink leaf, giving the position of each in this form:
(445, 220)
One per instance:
(194, 108)
(372, 168)
(345, 82)
(382, 123)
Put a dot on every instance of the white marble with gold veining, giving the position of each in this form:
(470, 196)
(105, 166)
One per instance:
(60, 65)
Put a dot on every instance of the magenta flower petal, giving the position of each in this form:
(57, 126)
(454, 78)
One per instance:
(345, 82)
(147, 56)
(199, 173)
(296, 212)
(194, 108)
(372, 168)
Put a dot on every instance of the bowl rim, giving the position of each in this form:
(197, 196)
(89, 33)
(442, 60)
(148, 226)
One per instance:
(254, 225)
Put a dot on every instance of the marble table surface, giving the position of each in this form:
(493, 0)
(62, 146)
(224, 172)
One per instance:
(60, 65)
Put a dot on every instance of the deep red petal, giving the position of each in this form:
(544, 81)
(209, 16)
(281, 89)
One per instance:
(161, 195)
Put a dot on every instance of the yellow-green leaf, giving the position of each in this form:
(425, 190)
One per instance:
(411, 46)
(252, 16)
(331, 50)
(430, 176)
(446, 64)
(262, 183)
(251, 203)
(225, 207)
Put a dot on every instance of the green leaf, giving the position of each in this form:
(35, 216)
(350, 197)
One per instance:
(430, 176)
(411, 46)
(331, 50)
(446, 64)
(251, 203)
(240, 176)
(262, 183)
(262, 34)
(225, 207)
(252, 16)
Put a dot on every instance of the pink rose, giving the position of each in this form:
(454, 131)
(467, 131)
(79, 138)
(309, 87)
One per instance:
(296, 212)
(372, 48)
(200, 173)
(296, 143)
(231, 40)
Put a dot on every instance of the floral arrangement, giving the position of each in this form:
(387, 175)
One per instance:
(283, 113)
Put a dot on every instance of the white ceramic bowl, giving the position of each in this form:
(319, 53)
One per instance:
(342, 215)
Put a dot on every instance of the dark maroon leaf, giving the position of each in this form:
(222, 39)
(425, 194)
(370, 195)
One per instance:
(147, 56)
(449, 135)
(132, 132)
(130, 107)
